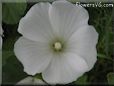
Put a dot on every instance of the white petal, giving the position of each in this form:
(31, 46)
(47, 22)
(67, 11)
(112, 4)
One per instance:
(31, 81)
(65, 69)
(66, 17)
(83, 42)
(27, 80)
(34, 56)
(36, 24)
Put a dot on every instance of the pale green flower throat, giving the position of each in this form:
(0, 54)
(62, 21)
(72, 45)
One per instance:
(57, 45)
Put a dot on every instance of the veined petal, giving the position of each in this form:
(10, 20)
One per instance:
(64, 69)
(34, 56)
(83, 42)
(66, 17)
(36, 24)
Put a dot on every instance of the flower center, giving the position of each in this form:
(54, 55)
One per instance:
(57, 46)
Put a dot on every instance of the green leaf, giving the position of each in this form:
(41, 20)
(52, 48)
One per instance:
(7, 50)
(6, 55)
(12, 71)
(110, 78)
(38, 76)
(12, 12)
(102, 56)
(82, 80)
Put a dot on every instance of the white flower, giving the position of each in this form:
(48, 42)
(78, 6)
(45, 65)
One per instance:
(31, 81)
(57, 42)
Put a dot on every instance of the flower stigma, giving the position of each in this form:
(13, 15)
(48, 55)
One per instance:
(57, 46)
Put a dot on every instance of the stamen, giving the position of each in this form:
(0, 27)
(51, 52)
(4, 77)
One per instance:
(57, 46)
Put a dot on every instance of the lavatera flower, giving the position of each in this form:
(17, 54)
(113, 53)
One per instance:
(57, 42)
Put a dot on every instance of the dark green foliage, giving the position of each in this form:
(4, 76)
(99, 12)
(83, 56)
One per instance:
(12, 12)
